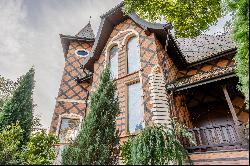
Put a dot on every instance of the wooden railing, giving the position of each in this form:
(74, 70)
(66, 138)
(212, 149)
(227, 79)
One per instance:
(217, 137)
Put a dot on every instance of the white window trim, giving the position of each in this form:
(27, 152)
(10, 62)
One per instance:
(142, 105)
(80, 49)
(69, 116)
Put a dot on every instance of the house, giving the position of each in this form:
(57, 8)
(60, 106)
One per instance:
(158, 77)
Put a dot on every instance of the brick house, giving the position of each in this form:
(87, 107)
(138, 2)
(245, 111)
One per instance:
(158, 77)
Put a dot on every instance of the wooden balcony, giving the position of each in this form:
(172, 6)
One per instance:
(219, 137)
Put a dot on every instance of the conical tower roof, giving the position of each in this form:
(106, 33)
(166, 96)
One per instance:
(86, 32)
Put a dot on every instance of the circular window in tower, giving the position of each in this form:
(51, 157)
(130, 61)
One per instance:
(82, 53)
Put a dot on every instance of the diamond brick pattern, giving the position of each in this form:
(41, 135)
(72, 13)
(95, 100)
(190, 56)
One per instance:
(152, 53)
(69, 89)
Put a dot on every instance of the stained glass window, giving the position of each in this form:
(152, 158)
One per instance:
(135, 109)
(133, 55)
(114, 62)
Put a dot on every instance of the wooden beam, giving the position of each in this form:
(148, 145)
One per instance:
(230, 104)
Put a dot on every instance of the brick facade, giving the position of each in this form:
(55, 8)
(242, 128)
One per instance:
(71, 97)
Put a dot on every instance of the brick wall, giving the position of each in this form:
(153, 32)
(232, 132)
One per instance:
(151, 54)
(71, 96)
(221, 158)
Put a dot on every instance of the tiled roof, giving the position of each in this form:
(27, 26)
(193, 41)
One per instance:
(204, 46)
(86, 32)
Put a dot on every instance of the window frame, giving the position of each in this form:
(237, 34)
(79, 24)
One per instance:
(127, 84)
(81, 49)
(127, 40)
(67, 116)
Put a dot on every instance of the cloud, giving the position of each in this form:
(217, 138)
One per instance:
(29, 35)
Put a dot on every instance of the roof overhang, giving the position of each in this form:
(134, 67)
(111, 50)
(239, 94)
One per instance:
(114, 17)
(175, 88)
(66, 39)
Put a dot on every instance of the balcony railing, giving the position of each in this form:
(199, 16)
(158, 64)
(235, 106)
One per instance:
(216, 137)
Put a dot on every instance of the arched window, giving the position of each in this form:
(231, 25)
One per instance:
(113, 59)
(133, 55)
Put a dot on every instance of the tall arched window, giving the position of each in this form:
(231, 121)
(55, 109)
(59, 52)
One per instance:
(133, 55)
(113, 59)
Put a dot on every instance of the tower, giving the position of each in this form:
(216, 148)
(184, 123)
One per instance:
(71, 101)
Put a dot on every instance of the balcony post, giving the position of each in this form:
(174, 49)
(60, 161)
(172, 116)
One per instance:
(239, 130)
(230, 104)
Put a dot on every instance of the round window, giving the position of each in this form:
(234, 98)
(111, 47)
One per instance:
(82, 53)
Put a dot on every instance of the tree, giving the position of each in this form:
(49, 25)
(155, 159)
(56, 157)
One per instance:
(7, 86)
(241, 37)
(191, 18)
(97, 141)
(38, 150)
(19, 107)
(157, 145)
(10, 139)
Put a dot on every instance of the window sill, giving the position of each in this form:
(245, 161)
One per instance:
(127, 75)
(130, 134)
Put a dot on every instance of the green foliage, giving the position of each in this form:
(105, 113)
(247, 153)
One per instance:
(97, 141)
(19, 106)
(157, 145)
(39, 149)
(6, 88)
(189, 18)
(10, 139)
(241, 37)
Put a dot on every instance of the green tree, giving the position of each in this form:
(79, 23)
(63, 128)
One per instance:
(39, 149)
(157, 145)
(97, 141)
(10, 139)
(7, 86)
(19, 107)
(241, 38)
(191, 17)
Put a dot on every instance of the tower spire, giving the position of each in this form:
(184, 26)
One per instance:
(86, 32)
(89, 19)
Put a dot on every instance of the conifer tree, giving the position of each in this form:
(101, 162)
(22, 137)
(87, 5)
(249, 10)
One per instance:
(97, 141)
(19, 107)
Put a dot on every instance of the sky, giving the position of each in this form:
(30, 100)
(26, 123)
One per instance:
(29, 36)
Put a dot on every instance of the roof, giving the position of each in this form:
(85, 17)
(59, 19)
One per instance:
(204, 46)
(85, 34)
(112, 18)
(202, 78)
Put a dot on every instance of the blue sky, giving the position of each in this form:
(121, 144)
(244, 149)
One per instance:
(29, 35)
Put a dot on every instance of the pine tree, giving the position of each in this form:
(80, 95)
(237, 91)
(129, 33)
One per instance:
(19, 107)
(97, 141)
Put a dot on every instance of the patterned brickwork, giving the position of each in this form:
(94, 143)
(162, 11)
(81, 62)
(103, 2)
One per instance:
(151, 53)
(240, 108)
(180, 111)
(71, 96)
(207, 70)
